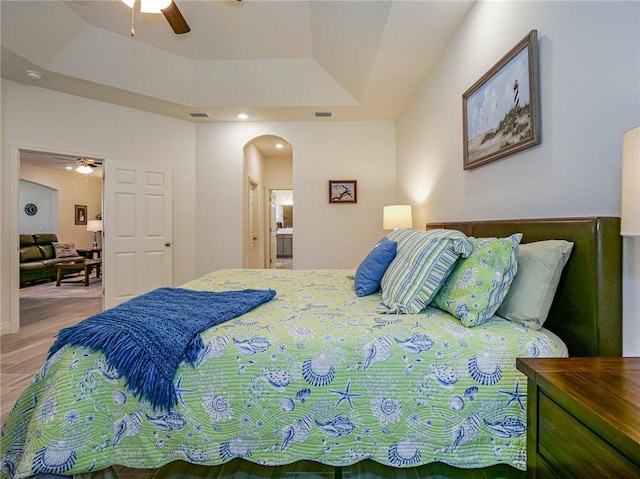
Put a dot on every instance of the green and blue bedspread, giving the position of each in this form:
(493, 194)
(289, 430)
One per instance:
(314, 374)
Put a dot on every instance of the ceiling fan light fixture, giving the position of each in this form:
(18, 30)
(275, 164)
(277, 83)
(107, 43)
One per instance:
(153, 6)
(84, 169)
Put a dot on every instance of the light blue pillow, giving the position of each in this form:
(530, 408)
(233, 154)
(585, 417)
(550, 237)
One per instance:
(372, 268)
(421, 266)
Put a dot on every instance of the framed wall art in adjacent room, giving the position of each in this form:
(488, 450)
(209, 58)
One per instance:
(501, 111)
(81, 214)
(343, 191)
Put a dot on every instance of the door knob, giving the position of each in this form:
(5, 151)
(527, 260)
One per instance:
(167, 244)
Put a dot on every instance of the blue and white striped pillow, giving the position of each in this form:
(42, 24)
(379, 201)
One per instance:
(422, 264)
(402, 236)
(477, 286)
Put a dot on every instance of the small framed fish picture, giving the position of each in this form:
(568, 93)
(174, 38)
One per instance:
(343, 191)
(501, 111)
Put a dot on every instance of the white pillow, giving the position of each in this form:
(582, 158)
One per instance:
(65, 250)
(540, 266)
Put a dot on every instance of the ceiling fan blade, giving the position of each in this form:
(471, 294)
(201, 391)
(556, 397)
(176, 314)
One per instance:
(175, 19)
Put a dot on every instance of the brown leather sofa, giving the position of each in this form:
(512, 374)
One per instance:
(38, 257)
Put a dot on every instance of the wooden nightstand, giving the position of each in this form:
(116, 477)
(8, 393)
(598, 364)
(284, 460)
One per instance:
(583, 417)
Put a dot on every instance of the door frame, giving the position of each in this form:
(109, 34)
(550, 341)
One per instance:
(13, 185)
(270, 231)
(252, 254)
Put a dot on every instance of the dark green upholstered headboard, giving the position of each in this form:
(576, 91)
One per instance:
(587, 309)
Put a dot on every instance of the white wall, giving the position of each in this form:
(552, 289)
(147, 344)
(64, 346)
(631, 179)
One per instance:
(590, 94)
(50, 121)
(326, 235)
(278, 174)
(45, 220)
(254, 166)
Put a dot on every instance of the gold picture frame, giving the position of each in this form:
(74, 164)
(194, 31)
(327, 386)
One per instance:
(81, 214)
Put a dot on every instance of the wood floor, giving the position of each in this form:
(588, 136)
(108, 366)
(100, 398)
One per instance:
(23, 353)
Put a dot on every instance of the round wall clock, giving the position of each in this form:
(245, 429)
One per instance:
(30, 209)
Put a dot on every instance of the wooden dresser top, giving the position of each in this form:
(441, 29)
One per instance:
(604, 393)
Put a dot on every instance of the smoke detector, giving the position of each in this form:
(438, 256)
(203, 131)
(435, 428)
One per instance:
(34, 75)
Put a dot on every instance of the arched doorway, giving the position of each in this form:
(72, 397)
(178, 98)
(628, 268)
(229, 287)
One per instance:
(268, 166)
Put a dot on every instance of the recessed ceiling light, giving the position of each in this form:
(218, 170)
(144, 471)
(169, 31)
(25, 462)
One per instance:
(279, 146)
(34, 75)
(243, 116)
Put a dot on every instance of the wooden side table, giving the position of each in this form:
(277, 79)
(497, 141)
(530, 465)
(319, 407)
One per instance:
(90, 253)
(583, 417)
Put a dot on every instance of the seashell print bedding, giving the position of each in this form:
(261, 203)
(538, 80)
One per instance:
(315, 374)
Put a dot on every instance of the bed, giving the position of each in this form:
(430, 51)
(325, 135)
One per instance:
(318, 382)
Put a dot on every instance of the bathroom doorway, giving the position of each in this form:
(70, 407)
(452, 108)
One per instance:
(284, 228)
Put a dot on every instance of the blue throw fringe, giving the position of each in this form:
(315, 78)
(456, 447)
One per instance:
(147, 337)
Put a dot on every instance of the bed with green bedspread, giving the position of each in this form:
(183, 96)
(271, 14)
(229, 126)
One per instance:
(314, 375)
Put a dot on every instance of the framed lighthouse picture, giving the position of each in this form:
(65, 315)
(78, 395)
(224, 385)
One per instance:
(501, 111)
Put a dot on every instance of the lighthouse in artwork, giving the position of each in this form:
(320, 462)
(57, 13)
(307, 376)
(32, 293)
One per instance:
(516, 95)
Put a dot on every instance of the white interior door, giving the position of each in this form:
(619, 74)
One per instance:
(273, 230)
(253, 223)
(137, 254)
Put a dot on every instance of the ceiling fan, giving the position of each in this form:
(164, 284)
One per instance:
(175, 19)
(168, 8)
(83, 165)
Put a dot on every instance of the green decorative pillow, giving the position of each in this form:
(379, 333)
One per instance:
(422, 263)
(540, 266)
(478, 285)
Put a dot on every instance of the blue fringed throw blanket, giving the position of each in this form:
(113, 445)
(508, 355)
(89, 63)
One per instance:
(147, 337)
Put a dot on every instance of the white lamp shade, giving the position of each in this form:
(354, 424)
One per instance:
(94, 225)
(153, 6)
(397, 216)
(630, 225)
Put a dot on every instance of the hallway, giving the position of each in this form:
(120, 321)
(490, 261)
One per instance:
(284, 263)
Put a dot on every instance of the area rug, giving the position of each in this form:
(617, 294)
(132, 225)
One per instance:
(68, 288)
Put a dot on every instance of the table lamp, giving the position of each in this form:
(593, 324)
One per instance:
(95, 226)
(397, 216)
